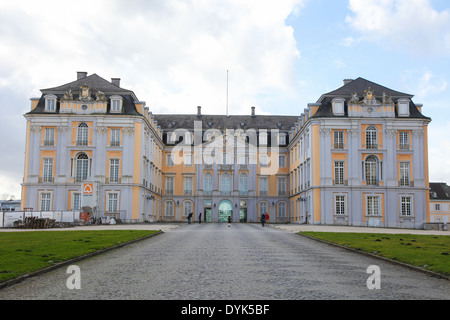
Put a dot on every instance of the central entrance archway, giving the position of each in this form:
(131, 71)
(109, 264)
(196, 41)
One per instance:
(225, 210)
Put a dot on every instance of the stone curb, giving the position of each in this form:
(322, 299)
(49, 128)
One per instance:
(19, 279)
(428, 272)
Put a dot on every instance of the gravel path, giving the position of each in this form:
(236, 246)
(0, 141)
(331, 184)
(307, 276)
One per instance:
(243, 262)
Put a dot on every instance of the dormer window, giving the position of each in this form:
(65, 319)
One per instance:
(50, 103)
(338, 106)
(403, 107)
(116, 104)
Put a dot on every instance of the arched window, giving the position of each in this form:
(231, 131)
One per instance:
(371, 138)
(82, 167)
(207, 184)
(226, 184)
(168, 209)
(263, 208)
(371, 170)
(187, 208)
(281, 211)
(243, 184)
(82, 134)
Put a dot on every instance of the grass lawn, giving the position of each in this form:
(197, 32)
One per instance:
(25, 252)
(430, 251)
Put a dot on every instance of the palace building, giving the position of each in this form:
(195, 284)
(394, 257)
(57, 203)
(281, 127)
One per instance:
(358, 156)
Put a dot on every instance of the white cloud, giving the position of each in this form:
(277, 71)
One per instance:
(413, 26)
(173, 54)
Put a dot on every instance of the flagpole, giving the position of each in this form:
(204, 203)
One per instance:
(227, 93)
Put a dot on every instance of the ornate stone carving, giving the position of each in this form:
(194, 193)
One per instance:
(128, 131)
(391, 132)
(63, 129)
(354, 132)
(35, 129)
(417, 133)
(369, 97)
(387, 99)
(68, 96)
(354, 99)
(325, 132)
(101, 130)
(100, 96)
(85, 93)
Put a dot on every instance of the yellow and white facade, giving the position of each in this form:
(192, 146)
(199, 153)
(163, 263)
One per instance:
(358, 156)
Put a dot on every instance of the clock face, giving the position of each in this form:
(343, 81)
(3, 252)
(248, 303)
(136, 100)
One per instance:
(84, 107)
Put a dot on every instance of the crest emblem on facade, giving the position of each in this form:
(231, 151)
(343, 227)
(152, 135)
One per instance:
(85, 93)
(369, 97)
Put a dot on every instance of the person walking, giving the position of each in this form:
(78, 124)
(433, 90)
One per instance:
(189, 218)
(200, 218)
(267, 217)
(229, 221)
(263, 219)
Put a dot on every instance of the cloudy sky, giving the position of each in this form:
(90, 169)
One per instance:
(174, 54)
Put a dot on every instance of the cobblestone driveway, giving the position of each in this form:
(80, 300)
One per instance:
(245, 261)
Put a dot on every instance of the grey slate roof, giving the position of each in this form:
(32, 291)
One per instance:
(257, 122)
(441, 189)
(94, 81)
(359, 85)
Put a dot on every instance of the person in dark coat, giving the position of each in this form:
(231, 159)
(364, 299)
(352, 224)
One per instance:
(189, 218)
(200, 218)
(229, 221)
(263, 219)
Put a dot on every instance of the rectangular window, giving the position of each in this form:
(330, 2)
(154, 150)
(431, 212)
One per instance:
(263, 186)
(76, 201)
(373, 208)
(263, 138)
(404, 173)
(187, 185)
(169, 160)
(115, 137)
(50, 104)
(113, 202)
(49, 138)
(403, 137)
(116, 105)
(48, 170)
(169, 185)
(437, 207)
(114, 170)
(188, 160)
(282, 161)
(338, 140)
(282, 186)
(406, 206)
(46, 201)
(263, 160)
(339, 204)
(339, 173)
(282, 139)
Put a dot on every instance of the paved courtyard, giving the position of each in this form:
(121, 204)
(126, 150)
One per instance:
(243, 262)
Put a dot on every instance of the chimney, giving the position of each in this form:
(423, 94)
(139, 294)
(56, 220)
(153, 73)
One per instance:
(81, 75)
(199, 111)
(253, 112)
(347, 81)
(115, 81)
